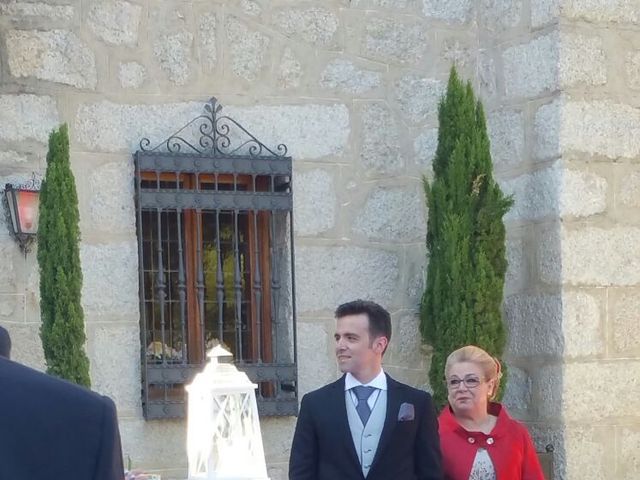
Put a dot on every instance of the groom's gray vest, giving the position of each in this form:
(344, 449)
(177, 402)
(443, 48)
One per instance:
(366, 438)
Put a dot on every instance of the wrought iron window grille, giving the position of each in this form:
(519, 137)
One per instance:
(216, 256)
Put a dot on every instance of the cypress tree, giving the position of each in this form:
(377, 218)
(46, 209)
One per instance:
(62, 329)
(462, 302)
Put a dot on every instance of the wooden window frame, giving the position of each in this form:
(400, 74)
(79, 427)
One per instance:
(195, 335)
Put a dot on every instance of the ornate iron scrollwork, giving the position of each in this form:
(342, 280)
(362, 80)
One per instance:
(217, 133)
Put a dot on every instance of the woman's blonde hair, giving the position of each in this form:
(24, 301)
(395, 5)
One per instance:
(489, 365)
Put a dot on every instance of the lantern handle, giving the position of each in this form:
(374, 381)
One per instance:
(218, 351)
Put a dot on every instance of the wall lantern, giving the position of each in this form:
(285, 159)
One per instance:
(223, 428)
(22, 203)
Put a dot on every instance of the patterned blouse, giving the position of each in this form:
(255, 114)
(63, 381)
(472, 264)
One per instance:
(482, 467)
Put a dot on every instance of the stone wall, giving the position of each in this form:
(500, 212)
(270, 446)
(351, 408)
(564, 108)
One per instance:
(598, 235)
(351, 86)
(572, 297)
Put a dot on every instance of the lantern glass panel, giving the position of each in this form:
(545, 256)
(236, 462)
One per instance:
(28, 203)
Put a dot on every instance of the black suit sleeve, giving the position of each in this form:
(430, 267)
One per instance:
(109, 457)
(427, 454)
(303, 463)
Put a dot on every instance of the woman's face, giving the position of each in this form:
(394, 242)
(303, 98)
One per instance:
(467, 388)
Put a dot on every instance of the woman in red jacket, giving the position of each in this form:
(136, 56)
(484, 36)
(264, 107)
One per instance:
(479, 440)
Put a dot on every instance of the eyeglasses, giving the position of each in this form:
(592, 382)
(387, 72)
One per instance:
(470, 381)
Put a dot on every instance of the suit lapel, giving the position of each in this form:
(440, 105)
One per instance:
(342, 421)
(390, 422)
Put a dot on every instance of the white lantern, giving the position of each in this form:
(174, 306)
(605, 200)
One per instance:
(223, 428)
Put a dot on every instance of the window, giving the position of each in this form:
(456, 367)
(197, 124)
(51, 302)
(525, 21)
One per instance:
(215, 262)
(226, 254)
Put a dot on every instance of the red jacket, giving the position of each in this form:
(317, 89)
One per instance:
(509, 446)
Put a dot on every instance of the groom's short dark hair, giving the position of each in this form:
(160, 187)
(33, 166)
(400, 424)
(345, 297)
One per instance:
(379, 318)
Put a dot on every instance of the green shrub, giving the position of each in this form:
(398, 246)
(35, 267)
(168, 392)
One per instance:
(462, 301)
(62, 330)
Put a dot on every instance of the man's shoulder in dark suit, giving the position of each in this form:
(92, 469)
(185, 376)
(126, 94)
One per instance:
(406, 387)
(408, 390)
(55, 429)
(26, 380)
(328, 389)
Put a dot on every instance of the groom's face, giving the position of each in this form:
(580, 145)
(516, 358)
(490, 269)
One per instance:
(356, 351)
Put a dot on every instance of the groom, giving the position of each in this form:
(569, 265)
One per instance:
(366, 424)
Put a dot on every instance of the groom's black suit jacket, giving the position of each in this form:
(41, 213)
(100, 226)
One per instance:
(53, 430)
(323, 448)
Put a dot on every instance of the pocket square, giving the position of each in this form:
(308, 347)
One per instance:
(406, 412)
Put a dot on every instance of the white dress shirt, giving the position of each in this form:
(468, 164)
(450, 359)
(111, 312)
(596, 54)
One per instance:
(379, 383)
